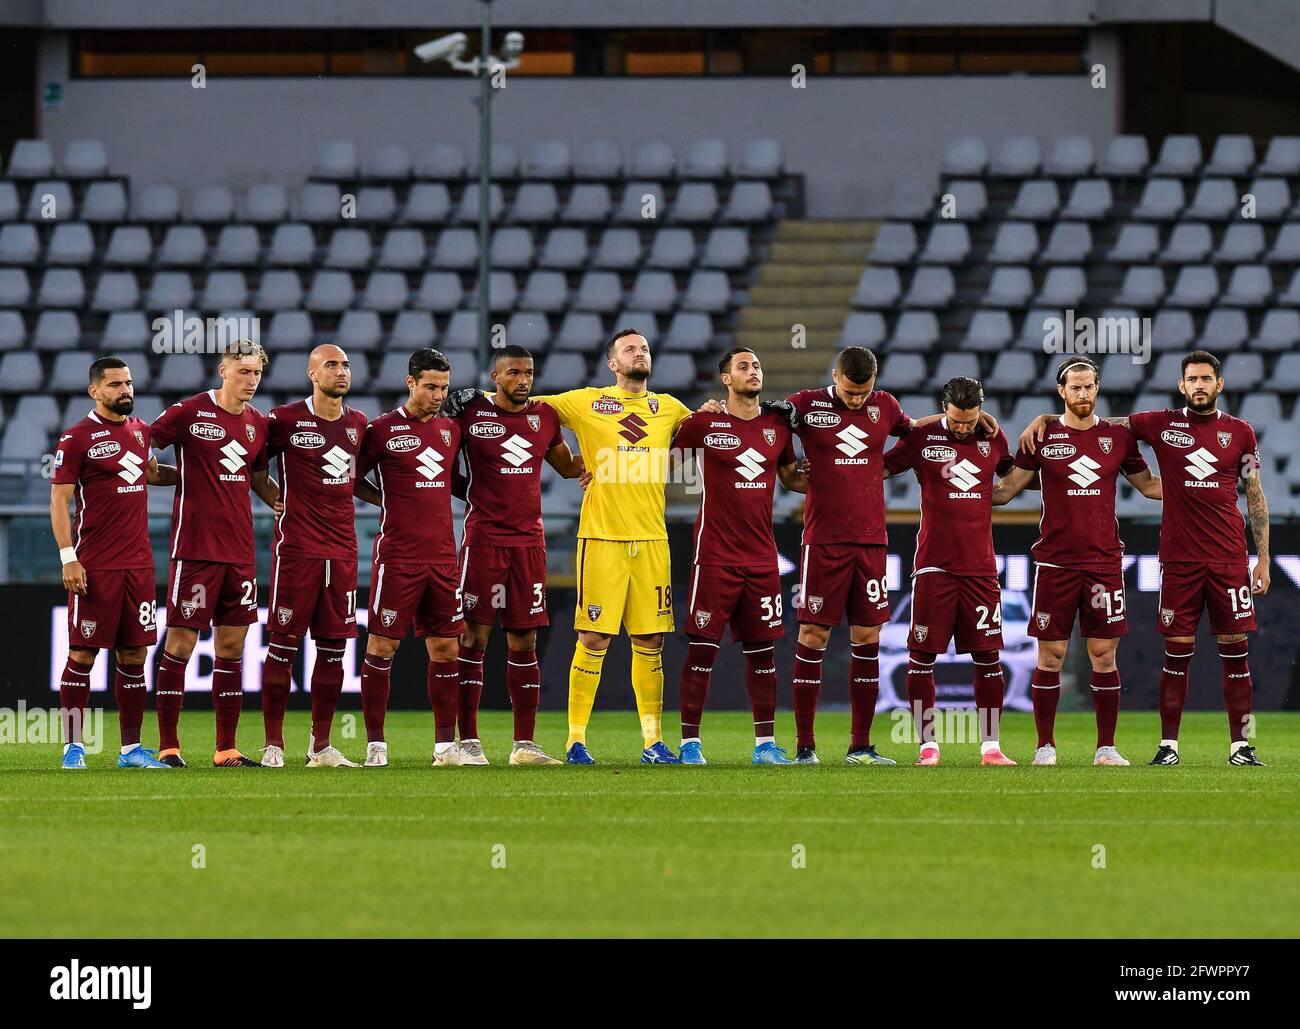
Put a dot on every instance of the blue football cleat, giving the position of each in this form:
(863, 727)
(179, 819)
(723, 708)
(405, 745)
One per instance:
(691, 754)
(74, 756)
(578, 755)
(140, 758)
(771, 754)
(659, 754)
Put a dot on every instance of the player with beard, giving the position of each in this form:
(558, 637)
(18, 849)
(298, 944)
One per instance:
(503, 554)
(414, 580)
(314, 555)
(1203, 453)
(107, 558)
(220, 441)
(740, 452)
(955, 590)
(1078, 567)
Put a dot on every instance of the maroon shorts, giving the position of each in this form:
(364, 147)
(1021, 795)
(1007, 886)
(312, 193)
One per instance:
(505, 581)
(1186, 588)
(965, 607)
(1096, 596)
(313, 593)
(204, 593)
(118, 610)
(843, 578)
(747, 598)
(424, 596)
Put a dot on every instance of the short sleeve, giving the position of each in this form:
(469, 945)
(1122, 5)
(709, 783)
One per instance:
(1145, 424)
(899, 457)
(899, 423)
(275, 435)
(688, 435)
(557, 435)
(680, 411)
(263, 459)
(787, 450)
(1133, 460)
(1005, 461)
(1028, 461)
(67, 460)
(368, 455)
(567, 405)
(167, 427)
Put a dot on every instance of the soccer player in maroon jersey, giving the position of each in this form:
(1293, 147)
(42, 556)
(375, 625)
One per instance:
(1078, 557)
(103, 462)
(414, 581)
(220, 441)
(314, 556)
(1202, 453)
(955, 591)
(740, 452)
(503, 554)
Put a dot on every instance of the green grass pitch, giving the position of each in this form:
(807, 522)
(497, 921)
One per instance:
(626, 850)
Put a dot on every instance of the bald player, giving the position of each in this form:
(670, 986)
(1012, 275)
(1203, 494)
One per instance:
(314, 555)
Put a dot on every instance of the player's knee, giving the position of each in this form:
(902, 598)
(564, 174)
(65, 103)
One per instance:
(814, 635)
(520, 640)
(1232, 637)
(131, 655)
(475, 636)
(1050, 659)
(1101, 653)
(653, 642)
(381, 646)
(443, 648)
(595, 641)
(87, 657)
(179, 643)
(864, 633)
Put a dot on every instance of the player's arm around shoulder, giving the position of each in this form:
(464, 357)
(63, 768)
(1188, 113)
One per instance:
(568, 405)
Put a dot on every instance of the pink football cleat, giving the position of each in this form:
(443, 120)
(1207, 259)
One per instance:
(929, 755)
(995, 757)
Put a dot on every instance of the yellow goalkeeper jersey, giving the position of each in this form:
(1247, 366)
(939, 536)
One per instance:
(624, 439)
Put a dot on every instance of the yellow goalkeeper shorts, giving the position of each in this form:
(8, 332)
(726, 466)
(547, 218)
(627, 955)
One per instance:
(624, 583)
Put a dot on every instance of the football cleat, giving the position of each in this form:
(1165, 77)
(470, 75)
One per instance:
(1166, 755)
(448, 758)
(74, 756)
(526, 752)
(1245, 756)
(659, 754)
(579, 755)
(376, 754)
(692, 754)
(233, 759)
(272, 756)
(806, 756)
(471, 752)
(1109, 756)
(929, 755)
(1045, 755)
(172, 759)
(867, 756)
(330, 757)
(770, 754)
(139, 757)
(995, 757)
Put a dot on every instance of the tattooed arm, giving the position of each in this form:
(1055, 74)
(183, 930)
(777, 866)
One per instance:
(1257, 509)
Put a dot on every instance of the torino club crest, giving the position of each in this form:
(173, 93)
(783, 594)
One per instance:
(814, 604)
(593, 612)
(920, 632)
(1166, 616)
(985, 448)
(284, 615)
(446, 437)
(88, 629)
(251, 432)
(1225, 440)
(702, 618)
(1105, 443)
(654, 404)
(535, 422)
(388, 616)
(873, 413)
(1043, 617)
(353, 436)
(770, 436)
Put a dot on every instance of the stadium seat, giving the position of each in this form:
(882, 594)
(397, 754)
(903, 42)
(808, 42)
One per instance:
(726, 248)
(1009, 287)
(1172, 330)
(456, 248)
(56, 331)
(535, 203)
(567, 249)
(1037, 200)
(169, 291)
(438, 291)
(877, 288)
(528, 329)
(1063, 286)
(319, 203)
(393, 368)
(1261, 410)
(1136, 244)
(237, 245)
(930, 288)
(104, 203)
(915, 330)
(9, 206)
(23, 441)
(561, 370)
(952, 365)
(653, 291)
(1189, 243)
(988, 331)
(1286, 245)
(1282, 158)
(70, 374)
(588, 203)
(348, 248)
(1272, 198)
(359, 331)
(705, 159)
(116, 291)
(969, 200)
(385, 291)
(61, 287)
(211, 205)
(689, 330)
(707, 291)
(671, 248)
(1089, 200)
(904, 371)
(1243, 372)
(1070, 156)
(427, 203)
(1069, 243)
(652, 159)
(760, 159)
(15, 287)
(598, 159)
(1214, 200)
(20, 372)
(279, 291)
(330, 291)
(644, 322)
(1225, 328)
(264, 203)
(913, 201)
(505, 160)
(697, 203)
(31, 159)
(863, 329)
(895, 243)
(402, 249)
(1286, 374)
(639, 198)
(336, 159)
(579, 331)
(548, 159)
(1162, 200)
(511, 248)
(440, 161)
(599, 291)
(375, 205)
(50, 199)
(674, 372)
(125, 330)
(502, 291)
(1015, 243)
(1165, 375)
(1242, 243)
(467, 211)
(1179, 155)
(1018, 157)
(1013, 371)
(287, 372)
(128, 246)
(412, 330)
(1279, 330)
(182, 246)
(387, 162)
(544, 291)
(1232, 155)
(155, 203)
(1032, 328)
(1249, 286)
(1143, 286)
(292, 245)
(947, 243)
(967, 156)
(749, 202)
(1119, 372)
(1291, 295)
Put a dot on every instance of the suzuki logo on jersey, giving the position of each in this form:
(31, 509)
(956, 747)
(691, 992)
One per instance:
(633, 428)
(964, 475)
(131, 467)
(430, 464)
(750, 465)
(1202, 464)
(1084, 473)
(234, 459)
(851, 442)
(518, 451)
(337, 462)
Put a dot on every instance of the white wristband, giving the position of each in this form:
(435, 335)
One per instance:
(67, 555)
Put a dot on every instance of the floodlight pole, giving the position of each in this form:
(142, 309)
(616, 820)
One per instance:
(484, 190)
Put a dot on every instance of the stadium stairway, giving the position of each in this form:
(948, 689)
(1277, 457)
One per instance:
(808, 279)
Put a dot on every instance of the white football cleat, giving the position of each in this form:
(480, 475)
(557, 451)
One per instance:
(273, 757)
(526, 752)
(471, 752)
(1109, 756)
(330, 757)
(448, 758)
(1045, 755)
(377, 754)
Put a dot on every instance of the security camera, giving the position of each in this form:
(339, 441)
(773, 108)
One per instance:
(444, 48)
(514, 45)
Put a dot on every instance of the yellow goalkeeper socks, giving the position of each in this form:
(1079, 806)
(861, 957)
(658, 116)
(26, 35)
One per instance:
(584, 677)
(648, 685)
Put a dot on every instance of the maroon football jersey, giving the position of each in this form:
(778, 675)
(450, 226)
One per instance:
(737, 461)
(1077, 469)
(844, 447)
(504, 453)
(108, 462)
(216, 454)
(1201, 457)
(956, 477)
(412, 460)
(316, 463)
